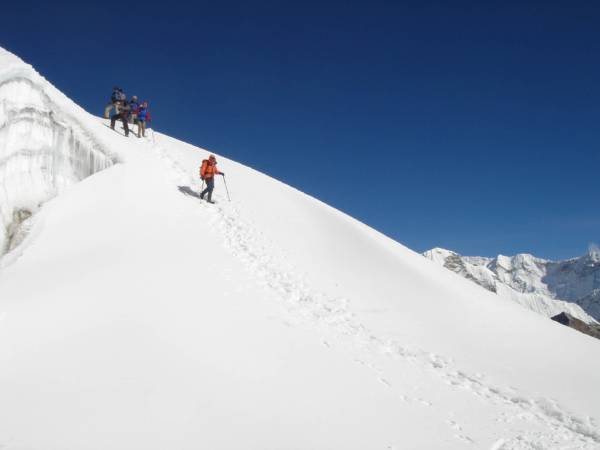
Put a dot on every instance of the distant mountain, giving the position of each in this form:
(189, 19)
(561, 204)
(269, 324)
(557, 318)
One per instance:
(546, 287)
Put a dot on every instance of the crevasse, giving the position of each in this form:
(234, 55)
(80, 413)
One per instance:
(43, 152)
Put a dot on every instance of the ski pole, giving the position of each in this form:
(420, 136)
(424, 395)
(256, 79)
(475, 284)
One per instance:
(226, 187)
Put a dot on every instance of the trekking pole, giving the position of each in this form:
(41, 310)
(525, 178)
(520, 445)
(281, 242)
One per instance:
(201, 190)
(226, 187)
(153, 135)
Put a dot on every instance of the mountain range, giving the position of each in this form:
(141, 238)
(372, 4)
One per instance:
(545, 287)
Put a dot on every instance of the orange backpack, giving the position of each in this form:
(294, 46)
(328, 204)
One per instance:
(203, 168)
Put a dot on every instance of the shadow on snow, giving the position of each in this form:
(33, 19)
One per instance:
(186, 190)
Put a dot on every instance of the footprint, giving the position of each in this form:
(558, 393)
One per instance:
(464, 438)
(385, 382)
(454, 425)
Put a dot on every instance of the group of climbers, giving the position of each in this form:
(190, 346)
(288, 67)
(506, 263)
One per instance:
(127, 111)
(130, 112)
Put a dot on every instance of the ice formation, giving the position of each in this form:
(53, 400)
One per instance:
(44, 150)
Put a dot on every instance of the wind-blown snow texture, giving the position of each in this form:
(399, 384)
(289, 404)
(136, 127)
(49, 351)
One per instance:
(134, 316)
(545, 287)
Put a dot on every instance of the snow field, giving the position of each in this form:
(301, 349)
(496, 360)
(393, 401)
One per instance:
(330, 317)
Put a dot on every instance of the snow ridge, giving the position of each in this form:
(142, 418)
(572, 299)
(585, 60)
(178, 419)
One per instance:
(332, 320)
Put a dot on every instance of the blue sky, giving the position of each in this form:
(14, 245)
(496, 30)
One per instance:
(467, 125)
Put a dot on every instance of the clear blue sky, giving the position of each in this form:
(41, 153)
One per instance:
(467, 125)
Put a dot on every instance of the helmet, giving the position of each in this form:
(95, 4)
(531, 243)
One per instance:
(135, 96)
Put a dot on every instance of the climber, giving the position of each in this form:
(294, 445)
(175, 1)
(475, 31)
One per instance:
(115, 99)
(124, 112)
(142, 115)
(207, 173)
(134, 107)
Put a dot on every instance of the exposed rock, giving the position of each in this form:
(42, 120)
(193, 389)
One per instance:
(590, 329)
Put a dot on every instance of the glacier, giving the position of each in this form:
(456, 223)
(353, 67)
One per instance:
(133, 315)
(545, 287)
(43, 150)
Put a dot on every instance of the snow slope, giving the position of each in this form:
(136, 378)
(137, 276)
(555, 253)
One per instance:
(545, 287)
(133, 316)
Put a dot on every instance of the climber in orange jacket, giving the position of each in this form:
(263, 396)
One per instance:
(207, 173)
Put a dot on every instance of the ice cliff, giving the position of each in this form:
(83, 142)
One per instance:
(545, 287)
(44, 148)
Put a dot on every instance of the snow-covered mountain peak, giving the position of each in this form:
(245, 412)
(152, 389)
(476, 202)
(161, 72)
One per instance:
(588, 259)
(519, 270)
(439, 255)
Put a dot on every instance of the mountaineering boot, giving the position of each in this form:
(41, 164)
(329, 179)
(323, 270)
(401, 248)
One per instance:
(210, 201)
(202, 196)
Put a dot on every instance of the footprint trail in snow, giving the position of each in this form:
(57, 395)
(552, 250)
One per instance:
(331, 319)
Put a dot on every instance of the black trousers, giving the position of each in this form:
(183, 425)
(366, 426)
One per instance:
(114, 118)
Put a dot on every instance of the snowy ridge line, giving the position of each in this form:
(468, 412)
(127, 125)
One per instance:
(13, 68)
(51, 107)
(331, 318)
(519, 279)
